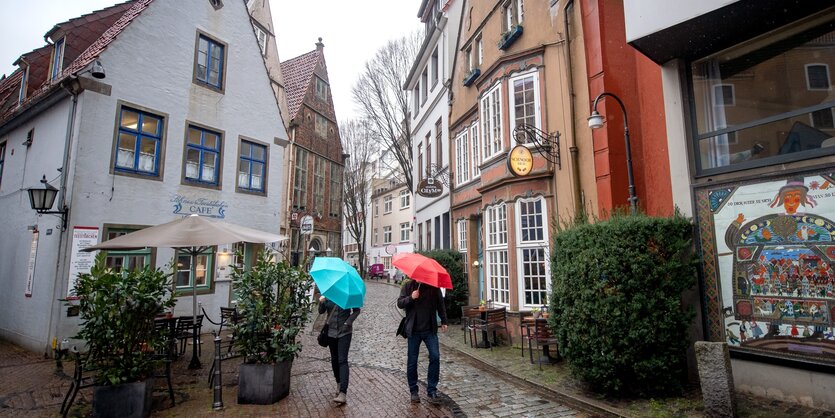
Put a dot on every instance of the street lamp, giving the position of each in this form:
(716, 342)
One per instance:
(42, 199)
(596, 122)
(329, 252)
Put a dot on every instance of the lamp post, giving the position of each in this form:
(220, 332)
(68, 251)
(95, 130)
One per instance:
(596, 122)
(42, 199)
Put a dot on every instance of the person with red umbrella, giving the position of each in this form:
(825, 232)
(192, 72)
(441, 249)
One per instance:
(424, 304)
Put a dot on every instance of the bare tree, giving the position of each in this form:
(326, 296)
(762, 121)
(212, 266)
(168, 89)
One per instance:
(383, 101)
(361, 145)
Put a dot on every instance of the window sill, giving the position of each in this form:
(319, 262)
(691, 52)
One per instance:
(187, 182)
(471, 76)
(509, 37)
(251, 192)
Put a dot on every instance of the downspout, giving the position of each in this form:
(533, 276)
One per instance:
(73, 90)
(572, 145)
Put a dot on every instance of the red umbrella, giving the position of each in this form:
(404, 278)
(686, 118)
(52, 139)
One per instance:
(422, 269)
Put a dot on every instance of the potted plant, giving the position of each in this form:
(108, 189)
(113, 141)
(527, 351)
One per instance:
(274, 305)
(117, 311)
(482, 306)
(535, 312)
(471, 76)
(507, 38)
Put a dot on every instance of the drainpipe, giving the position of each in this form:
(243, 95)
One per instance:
(572, 145)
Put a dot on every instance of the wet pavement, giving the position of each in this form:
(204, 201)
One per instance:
(474, 382)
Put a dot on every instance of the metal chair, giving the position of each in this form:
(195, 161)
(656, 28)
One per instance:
(543, 339)
(496, 319)
(165, 350)
(84, 376)
(185, 331)
(524, 330)
(468, 314)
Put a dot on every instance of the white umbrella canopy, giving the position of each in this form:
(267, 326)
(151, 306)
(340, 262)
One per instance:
(192, 234)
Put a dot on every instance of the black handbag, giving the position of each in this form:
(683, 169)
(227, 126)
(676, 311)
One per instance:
(401, 329)
(322, 339)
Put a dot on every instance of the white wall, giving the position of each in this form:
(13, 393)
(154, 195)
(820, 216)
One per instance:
(645, 17)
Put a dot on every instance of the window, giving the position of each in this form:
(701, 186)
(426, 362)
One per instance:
(723, 95)
(462, 160)
(420, 237)
(203, 269)
(319, 184)
(210, 62)
(21, 94)
(524, 101)
(321, 126)
(300, 180)
(817, 77)
(261, 35)
(252, 163)
(475, 146)
(429, 234)
(419, 166)
(468, 54)
(532, 251)
(737, 123)
(429, 154)
(336, 191)
(386, 234)
(2, 160)
(58, 59)
(439, 149)
(462, 235)
(387, 204)
(202, 156)
(424, 83)
(321, 89)
(405, 231)
(514, 12)
(491, 121)
(375, 236)
(376, 208)
(405, 199)
(498, 279)
(127, 260)
(435, 74)
(387, 263)
(416, 101)
(138, 142)
(479, 51)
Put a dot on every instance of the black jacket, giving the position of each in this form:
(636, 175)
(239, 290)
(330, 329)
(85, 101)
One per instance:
(431, 301)
(340, 321)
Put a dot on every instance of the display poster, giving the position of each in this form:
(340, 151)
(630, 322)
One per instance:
(30, 273)
(767, 256)
(81, 262)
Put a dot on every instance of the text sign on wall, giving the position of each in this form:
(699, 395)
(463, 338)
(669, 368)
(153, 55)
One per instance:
(520, 160)
(30, 274)
(81, 262)
(307, 225)
(199, 206)
(428, 187)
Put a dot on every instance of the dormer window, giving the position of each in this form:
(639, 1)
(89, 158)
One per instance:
(21, 95)
(57, 59)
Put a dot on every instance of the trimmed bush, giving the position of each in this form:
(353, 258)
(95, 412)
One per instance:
(617, 288)
(453, 262)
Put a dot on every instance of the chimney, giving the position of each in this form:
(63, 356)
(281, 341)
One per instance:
(319, 45)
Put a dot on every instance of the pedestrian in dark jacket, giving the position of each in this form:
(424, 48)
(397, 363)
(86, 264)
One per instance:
(340, 326)
(423, 304)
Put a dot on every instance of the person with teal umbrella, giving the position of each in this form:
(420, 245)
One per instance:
(343, 294)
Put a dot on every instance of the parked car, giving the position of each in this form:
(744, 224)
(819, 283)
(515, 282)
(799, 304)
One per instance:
(377, 271)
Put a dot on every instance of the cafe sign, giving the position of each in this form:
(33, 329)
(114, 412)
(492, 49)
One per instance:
(199, 206)
(520, 160)
(430, 188)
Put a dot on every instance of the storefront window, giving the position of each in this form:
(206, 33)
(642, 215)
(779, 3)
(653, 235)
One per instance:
(766, 101)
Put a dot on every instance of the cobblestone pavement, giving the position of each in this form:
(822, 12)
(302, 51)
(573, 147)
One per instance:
(474, 382)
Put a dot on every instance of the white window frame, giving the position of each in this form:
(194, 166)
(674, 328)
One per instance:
(405, 231)
(498, 270)
(536, 99)
(388, 202)
(261, 36)
(405, 199)
(527, 245)
(462, 159)
(828, 78)
(475, 147)
(480, 49)
(462, 235)
(490, 106)
(387, 234)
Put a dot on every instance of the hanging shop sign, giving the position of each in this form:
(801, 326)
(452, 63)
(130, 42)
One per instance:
(520, 160)
(199, 206)
(430, 188)
(80, 261)
(306, 225)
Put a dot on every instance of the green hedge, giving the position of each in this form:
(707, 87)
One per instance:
(617, 288)
(453, 262)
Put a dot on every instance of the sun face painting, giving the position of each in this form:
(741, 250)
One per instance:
(777, 284)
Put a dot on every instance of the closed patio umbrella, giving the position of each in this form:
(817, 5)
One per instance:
(193, 235)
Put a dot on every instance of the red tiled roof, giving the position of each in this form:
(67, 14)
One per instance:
(297, 74)
(88, 36)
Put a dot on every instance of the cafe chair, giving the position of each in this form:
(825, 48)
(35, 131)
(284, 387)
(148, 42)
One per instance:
(497, 320)
(185, 330)
(468, 314)
(525, 322)
(165, 351)
(544, 340)
(84, 376)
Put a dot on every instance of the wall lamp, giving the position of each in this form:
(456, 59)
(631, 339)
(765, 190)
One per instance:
(42, 199)
(596, 121)
(547, 145)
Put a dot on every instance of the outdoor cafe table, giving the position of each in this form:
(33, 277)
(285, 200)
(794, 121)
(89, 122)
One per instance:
(485, 343)
(529, 322)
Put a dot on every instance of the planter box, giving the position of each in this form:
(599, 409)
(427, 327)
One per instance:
(514, 34)
(128, 400)
(471, 77)
(264, 384)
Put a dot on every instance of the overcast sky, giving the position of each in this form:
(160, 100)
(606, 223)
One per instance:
(352, 31)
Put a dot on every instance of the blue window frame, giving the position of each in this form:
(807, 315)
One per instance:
(209, 62)
(58, 59)
(139, 142)
(252, 167)
(202, 156)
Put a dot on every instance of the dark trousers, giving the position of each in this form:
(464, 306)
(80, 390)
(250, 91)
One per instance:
(339, 360)
(434, 372)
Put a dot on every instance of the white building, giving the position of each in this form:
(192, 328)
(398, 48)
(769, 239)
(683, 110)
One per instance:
(186, 121)
(391, 222)
(427, 83)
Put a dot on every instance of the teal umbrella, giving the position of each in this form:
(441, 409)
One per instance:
(338, 281)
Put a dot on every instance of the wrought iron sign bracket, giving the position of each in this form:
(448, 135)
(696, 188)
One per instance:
(546, 144)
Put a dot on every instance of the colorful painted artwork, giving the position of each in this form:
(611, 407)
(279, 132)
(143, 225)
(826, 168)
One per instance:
(774, 266)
